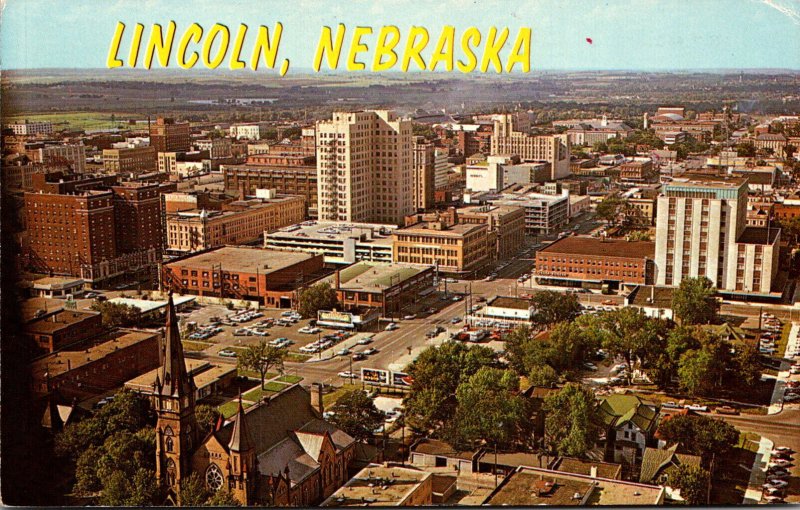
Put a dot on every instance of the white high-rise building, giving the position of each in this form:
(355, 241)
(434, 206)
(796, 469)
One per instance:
(441, 167)
(510, 139)
(701, 230)
(364, 167)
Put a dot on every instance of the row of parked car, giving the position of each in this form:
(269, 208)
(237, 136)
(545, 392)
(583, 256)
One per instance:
(325, 342)
(204, 332)
(771, 333)
(774, 489)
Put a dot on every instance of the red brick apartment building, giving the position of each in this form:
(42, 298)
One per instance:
(285, 179)
(269, 277)
(122, 355)
(92, 227)
(587, 261)
(61, 328)
(166, 135)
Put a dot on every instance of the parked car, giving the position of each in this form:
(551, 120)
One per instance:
(359, 356)
(391, 326)
(726, 410)
(348, 375)
(455, 320)
(343, 352)
(791, 397)
(308, 330)
(227, 353)
(590, 366)
(784, 449)
(365, 341)
(776, 483)
(670, 405)
(696, 407)
(370, 351)
(410, 317)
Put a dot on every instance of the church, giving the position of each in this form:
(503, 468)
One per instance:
(279, 452)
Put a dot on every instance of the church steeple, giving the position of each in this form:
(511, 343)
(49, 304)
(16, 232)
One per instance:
(174, 389)
(242, 461)
(240, 437)
(175, 380)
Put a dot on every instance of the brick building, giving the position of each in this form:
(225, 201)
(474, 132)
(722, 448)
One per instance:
(388, 287)
(166, 135)
(92, 227)
(237, 222)
(269, 277)
(119, 356)
(287, 180)
(458, 249)
(61, 328)
(577, 261)
(136, 160)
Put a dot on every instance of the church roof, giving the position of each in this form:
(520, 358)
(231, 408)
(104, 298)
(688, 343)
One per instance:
(240, 438)
(173, 380)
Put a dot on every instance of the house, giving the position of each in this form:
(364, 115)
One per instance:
(658, 464)
(631, 424)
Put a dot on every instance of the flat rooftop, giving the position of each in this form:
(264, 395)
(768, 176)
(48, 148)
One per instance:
(425, 228)
(204, 374)
(378, 486)
(52, 282)
(61, 362)
(149, 305)
(510, 302)
(244, 259)
(330, 230)
(584, 467)
(587, 245)
(758, 235)
(58, 320)
(374, 276)
(530, 486)
(707, 181)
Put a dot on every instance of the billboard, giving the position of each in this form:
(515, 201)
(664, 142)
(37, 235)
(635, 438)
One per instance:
(334, 316)
(380, 377)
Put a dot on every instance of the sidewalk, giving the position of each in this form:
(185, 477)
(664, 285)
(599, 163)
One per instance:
(752, 495)
(776, 403)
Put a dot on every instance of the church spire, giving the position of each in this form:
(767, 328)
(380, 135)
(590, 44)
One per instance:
(240, 438)
(174, 380)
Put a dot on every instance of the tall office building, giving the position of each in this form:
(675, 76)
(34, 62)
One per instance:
(424, 174)
(701, 230)
(509, 139)
(364, 167)
(166, 135)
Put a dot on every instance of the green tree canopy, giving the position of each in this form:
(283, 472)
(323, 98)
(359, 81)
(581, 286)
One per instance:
(693, 483)
(699, 435)
(261, 357)
(193, 491)
(552, 307)
(695, 302)
(206, 416)
(437, 372)
(490, 408)
(116, 315)
(320, 296)
(223, 498)
(572, 423)
(612, 209)
(356, 414)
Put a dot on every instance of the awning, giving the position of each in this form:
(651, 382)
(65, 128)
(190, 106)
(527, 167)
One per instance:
(332, 324)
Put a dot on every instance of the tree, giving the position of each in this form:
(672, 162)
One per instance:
(207, 416)
(356, 414)
(572, 421)
(490, 408)
(693, 371)
(746, 150)
(116, 315)
(223, 498)
(611, 209)
(261, 358)
(746, 363)
(552, 307)
(320, 296)
(693, 483)
(695, 302)
(628, 333)
(193, 491)
(543, 376)
(699, 435)
(437, 372)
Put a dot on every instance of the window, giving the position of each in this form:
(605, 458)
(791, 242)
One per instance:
(214, 477)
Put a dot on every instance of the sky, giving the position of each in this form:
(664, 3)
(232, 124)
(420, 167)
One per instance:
(625, 34)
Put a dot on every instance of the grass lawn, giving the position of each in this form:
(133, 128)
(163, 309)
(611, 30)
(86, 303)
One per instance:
(297, 357)
(256, 394)
(255, 375)
(190, 346)
(291, 379)
(780, 347)
(80, 120)
(229, 408)
(332, 397)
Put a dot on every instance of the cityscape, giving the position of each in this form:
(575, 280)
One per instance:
(565, 287)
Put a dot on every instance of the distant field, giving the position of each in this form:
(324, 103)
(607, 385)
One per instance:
(77, 120)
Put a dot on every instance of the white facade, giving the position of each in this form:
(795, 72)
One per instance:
(441, 167)
(364, 167)
(31, 128)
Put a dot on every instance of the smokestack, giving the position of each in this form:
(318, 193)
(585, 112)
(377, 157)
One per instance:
(336, 281)
(316, 397)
